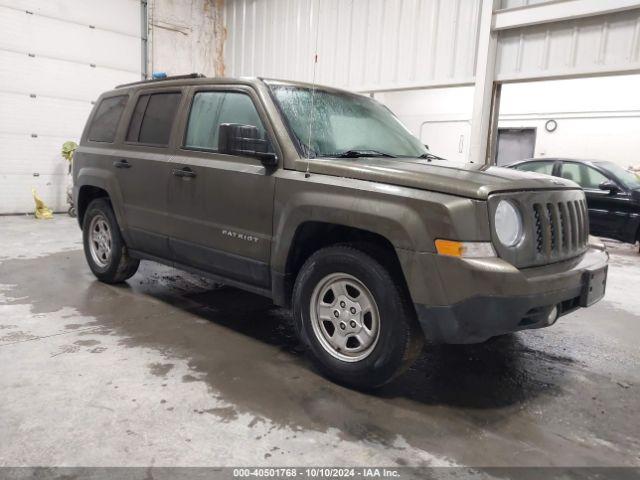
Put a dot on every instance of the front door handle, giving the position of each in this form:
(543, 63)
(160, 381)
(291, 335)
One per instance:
(121, 164)
(183, 172)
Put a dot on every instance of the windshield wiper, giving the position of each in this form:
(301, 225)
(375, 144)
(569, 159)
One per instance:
(359, 153)
(430, 156)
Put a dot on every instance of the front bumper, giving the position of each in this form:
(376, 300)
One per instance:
(485, 298)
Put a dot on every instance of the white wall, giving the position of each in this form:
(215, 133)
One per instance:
(439, 117)
(597, 118)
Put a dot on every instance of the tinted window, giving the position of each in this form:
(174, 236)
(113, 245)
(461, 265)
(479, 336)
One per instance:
(153, 118)
(210, 109)
(538, 167)
(583, 175)
(105, 121)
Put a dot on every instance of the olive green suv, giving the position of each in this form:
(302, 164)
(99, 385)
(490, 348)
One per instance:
(321, 200)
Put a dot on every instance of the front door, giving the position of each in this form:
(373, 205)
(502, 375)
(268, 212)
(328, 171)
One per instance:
(608, 212)
(142, 169)
(221, 206)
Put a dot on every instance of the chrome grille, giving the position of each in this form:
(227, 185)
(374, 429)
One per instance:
(556, 226)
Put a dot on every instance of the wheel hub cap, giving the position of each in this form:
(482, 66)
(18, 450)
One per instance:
(100, 241)
(345, 317)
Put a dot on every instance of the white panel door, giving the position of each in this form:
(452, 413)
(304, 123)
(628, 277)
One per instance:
(448, 140)
(56, 58)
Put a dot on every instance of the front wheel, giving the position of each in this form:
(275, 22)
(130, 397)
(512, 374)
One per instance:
(359, 327)
(104, 248)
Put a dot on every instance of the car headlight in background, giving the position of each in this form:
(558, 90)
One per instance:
(595, 242)
(508, 223)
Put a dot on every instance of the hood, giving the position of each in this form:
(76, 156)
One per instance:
(470, 180)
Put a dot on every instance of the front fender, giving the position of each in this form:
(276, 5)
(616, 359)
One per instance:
(410, 219)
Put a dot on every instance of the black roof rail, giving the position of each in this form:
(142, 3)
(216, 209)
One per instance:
(156, 80)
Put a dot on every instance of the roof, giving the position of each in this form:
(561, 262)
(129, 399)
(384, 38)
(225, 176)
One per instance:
(555, 159)
(199, 79)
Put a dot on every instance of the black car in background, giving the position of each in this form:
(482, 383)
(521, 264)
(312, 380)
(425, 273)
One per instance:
(613, 193)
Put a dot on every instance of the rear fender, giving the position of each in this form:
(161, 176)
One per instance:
(98, 177)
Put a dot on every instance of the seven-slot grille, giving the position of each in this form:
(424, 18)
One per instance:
(555, 226)
(560, 227)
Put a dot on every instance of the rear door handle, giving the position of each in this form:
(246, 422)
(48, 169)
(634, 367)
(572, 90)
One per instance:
(121, 164)
(183, 172)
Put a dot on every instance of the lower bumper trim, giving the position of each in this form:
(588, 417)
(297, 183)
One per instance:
(479, 318)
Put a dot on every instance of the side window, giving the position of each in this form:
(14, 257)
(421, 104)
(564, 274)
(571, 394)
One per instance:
(593, 178)
(153, 118)
(538, 167)
(105, 121)
(583, 175)
(211, 109)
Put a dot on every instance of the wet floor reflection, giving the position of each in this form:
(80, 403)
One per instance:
(501, 372)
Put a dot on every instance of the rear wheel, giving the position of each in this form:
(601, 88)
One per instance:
(104, 248)
(359, 326)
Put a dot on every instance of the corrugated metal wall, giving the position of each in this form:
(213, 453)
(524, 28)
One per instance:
(376, 45)
(362, 44)
(586, 46)
(521, 3)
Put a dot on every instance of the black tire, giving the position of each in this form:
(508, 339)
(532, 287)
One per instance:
(399, 341)
(119, 266)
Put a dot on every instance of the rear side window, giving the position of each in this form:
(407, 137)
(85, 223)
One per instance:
(105, 121)
(211, 109)
(153, 118)
(538, 167)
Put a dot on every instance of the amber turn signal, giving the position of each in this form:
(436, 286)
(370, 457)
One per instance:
(449, 247)
(453, 248)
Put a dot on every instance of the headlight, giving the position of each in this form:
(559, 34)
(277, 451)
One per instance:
(508, 223)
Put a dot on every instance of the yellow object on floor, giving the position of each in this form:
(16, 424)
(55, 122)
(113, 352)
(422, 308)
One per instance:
(42, 211)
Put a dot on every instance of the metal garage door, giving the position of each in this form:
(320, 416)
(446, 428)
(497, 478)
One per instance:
(56, 57)
(515, 144)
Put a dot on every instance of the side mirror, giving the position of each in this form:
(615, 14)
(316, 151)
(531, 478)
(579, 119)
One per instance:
(244, 140)
(610, 186)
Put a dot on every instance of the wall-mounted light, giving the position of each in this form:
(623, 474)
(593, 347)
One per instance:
(551, 126)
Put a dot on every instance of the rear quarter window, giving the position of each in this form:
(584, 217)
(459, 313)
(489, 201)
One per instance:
(105, 121)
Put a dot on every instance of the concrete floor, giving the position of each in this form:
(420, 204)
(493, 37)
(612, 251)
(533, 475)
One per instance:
(168, 370)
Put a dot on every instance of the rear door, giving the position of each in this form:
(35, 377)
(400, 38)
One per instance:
(608, 213)
(221, 206)
(143, 169)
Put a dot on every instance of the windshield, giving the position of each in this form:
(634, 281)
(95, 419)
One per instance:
(344, 125)
(629, 179)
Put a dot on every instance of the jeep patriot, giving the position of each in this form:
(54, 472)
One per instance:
(321, 200)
